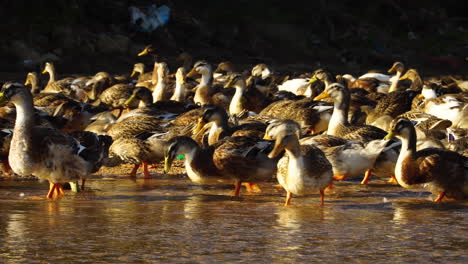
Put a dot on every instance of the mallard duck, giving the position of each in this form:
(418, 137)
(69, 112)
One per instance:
(135, 125)
(221, 128)
(441, 171)
(54, 85)
(264, 79)
(116, 96)
(31, 79)
(453, 107)
(144, 149)
(101, 123)
(98, 83)
(205, 92)
(415, 78)
(198, 161)
(44, 152)
(313, 116)
(245, 98)
(392, 105)
(142, 75)
(165, 110)
(339, 125)
(378, 82)
(244, 159)
(303, 168)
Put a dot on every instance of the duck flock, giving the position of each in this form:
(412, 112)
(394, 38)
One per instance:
(304, 131)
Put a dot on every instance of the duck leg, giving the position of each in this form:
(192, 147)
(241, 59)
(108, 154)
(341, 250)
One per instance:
(83, 183)
(440, 197)
(367, 175)
(237, 186)
(340, 177)
(330, 186)
(393, 179)
(322, 197)
(55, 191)
(134, 171)
(288, 198)
(252, 187)
(145, 170)
(51, 190)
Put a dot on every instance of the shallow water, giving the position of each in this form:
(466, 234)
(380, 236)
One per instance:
(169, 219)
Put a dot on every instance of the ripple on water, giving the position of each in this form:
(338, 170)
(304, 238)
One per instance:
(172, 220)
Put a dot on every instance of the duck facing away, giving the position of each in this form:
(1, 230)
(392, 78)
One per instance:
(443, 172)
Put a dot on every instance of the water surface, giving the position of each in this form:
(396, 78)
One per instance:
(169, 219)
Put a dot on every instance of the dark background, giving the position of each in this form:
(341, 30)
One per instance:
(85, 36)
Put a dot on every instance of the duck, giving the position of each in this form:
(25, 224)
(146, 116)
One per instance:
(351, 158)
(245, 160)
(205, 92)
(101, 122)
(198, 161)
(245, 98)
(303, 168)
(378, 82)
(180, 90)
(139, 68)
(223, 71)
(116, 96)
(94, 86)
(54, 85)
(453, 107)
(148, 50)
(44, 152)
(442, 172)
(339, 125)
(221, 128)
(159, 88)
(33, 80)
(142, 149)
(165, 110)
(393, 104)
(415, 78)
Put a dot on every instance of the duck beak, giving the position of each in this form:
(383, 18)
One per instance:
(133, 73)
(390, 135)
(144, 52)
(130, 100)
(192, 73)
(392, 69)
(201, 123)
(228, 84)
(321, 96)
(27, 82)
(3, 99)
(277, 149)
(404, 77)
(167, 164)
(267, 137)
(44, 71)
(312, 80)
